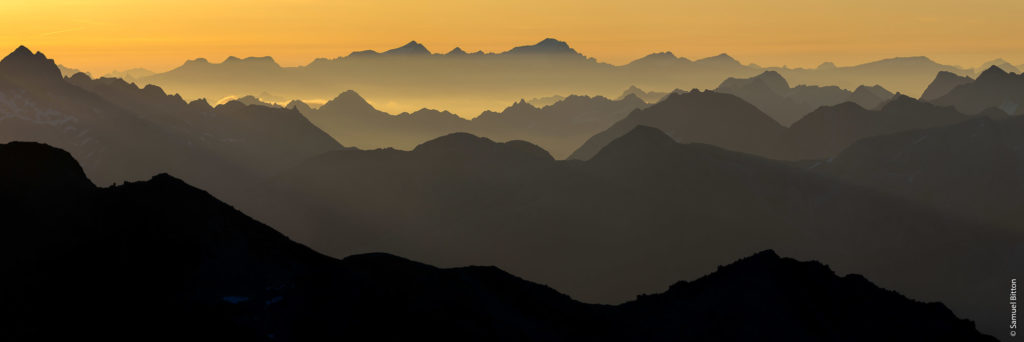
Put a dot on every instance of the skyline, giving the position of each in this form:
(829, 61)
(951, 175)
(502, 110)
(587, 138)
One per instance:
(102, 36)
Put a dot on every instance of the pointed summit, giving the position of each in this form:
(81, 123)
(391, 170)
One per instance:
(457, 51)
(720, 59)
(348, 101)
(23, 65)
(412, 48)
(993, 72)
(546, 46)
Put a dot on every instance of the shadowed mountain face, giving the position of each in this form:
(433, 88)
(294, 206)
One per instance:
(643, 207)
(974, 168)
(944, 83)
(729, 122)
(993, 88)
(120, 132)
(770, 93)
(707, 117)
(559, 127)
(469, 83)
(168, 262)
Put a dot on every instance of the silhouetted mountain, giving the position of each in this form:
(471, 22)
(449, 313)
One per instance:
(1000, 63)
(541, 102)
(68, 71)
(993, 88)
(644, 206)
(729, 122)
(771, 93)
(974, 168)
(549, 46)
(412, 48)
(944, 83)
(649, 97)
(168, 262)
(826, 131)
(471, 83)
(31, 69)
(250, 100)
(130, 75)
(120, 132)
(559, 127)
(706, 117)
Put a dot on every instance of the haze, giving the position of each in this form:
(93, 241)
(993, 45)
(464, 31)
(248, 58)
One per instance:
(101, 36)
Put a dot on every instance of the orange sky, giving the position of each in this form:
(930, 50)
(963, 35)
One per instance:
(102, 35)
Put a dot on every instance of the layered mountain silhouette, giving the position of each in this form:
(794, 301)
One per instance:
(559, 127)
(642, 207)
(994, 88)
(727, 121)
(943, 83)
(770, 93)
(121, 132)
(167, 261)
(974, 168)
(412, 76)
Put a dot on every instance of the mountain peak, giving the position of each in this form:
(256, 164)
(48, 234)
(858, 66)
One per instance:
(992, 72)
(720, 59)
(465, 145)
(26, 66)
(349, 101)
(641, 140)
(457, 51)
(411, 48)
(34, 166)
(546, 46)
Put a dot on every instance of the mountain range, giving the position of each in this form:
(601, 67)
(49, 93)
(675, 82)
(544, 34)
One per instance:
(770, 93)
(727, 121)
(993, 88)
(120, 132)
(643, 207)
(559, 128)
(167, 261)
(411, 77)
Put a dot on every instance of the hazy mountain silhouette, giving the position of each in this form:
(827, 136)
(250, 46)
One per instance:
(974, 168)
(472, 82)
(559, 127)
(1000, 63)
(168, 261)
(771, 93)
(727, 121)
(993, 88)
(647, 96)
(644, 206)
(708, 117)
(120, 132)
(944, 83)
(540, 102)
(826, 131)
(129, 75)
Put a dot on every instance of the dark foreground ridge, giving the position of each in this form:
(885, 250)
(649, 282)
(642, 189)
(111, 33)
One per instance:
(161, 260)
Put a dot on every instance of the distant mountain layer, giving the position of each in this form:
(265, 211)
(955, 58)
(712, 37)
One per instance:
(994, 88)
(559, 127)
(770, 93)
(468, 83)
(120, 132)
(167, 261)
(730, 122)
(975, 168)
(643, 207)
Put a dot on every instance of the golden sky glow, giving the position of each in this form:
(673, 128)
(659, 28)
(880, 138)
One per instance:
(101, 35)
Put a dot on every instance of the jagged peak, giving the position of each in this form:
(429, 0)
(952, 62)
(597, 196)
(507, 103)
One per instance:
(457, 51)
(26, 66)
(410, 48)
(546, 46)
(992, 72)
